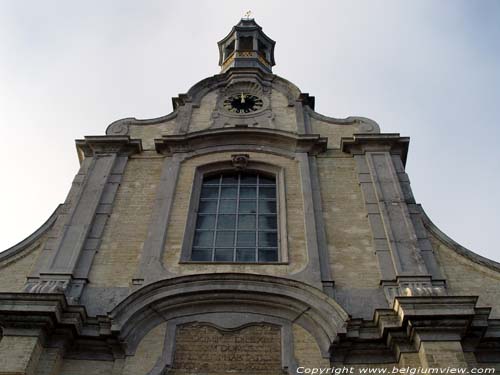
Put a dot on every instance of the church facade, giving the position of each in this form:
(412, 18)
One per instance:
(244, 233)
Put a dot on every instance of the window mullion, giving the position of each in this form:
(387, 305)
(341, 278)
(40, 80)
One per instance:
(216, 218)
(237, 216)
(257, 206)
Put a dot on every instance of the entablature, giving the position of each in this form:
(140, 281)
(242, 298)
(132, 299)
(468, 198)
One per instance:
(390, 142)
(310, 143)
(105, 144)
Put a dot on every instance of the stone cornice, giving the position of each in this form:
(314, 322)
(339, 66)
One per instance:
(311, 143)
(105, 144)
(416, 319)
(48, 314)
(41, 311)
(390, 142)
(401, 329)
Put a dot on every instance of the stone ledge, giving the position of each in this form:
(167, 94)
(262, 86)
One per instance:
(106, 144)
(50, 317)
(389, 142)
(417, 319)
(257, 137)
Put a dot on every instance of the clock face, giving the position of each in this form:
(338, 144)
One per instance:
(243, 103)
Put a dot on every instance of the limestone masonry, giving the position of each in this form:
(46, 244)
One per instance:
(243, 233)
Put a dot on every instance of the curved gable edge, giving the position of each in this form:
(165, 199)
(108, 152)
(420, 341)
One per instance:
(455, 246)
(367, 125)
(121, 126)
(28, 241)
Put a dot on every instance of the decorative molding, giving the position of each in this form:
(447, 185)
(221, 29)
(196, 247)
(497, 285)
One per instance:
(366, 125)
(412, 287)
(415, 319)
(395, 238)
(240, 161)
(67, 258)
(105, 144)
(390, 142)
(262, 299)
(222, 166)
(322, 243)
(211, 293)
(233, 76)
(252, 84)
(171, 144)
(122, 126)
(50, 317)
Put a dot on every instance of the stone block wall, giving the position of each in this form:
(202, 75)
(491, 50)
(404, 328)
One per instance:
(14, 270)
(349, 236)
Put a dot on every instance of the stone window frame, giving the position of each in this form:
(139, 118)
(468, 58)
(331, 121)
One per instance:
(194, 201)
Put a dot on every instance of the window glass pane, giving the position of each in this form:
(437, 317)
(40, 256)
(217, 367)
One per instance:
(245, 239)
(205, 222)
(268, 239)
(266, 207)
(229, 179)
(246, 222)
(267, 192)
(225, 239)
(268, 255)
(245, 255)
(208, 207)
(204, 238)
(248, 192)
(265, 180)
(248, 207)
(226, 222)
(211, 180)
(201, 255)
(209, 192)
(248, 178)
(228, 192)
(267, 222)
(223, 255)
(227, 206)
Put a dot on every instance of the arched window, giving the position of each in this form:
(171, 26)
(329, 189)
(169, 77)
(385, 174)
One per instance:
(236, 219)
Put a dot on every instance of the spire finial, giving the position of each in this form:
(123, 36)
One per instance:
(247, 15)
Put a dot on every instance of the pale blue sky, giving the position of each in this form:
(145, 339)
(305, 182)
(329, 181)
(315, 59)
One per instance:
(426, 69)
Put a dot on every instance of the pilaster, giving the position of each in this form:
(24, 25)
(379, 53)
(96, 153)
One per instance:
(437, 326)
(442, 354)
(404, 252)
(69, 256)
(151, 264)
(19, 352)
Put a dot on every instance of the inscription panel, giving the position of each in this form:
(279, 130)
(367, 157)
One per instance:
(204, 349)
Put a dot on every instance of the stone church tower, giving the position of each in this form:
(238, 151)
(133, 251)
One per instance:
(243, 233)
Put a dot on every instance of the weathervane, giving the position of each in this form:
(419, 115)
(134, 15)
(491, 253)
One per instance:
(247, 15)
